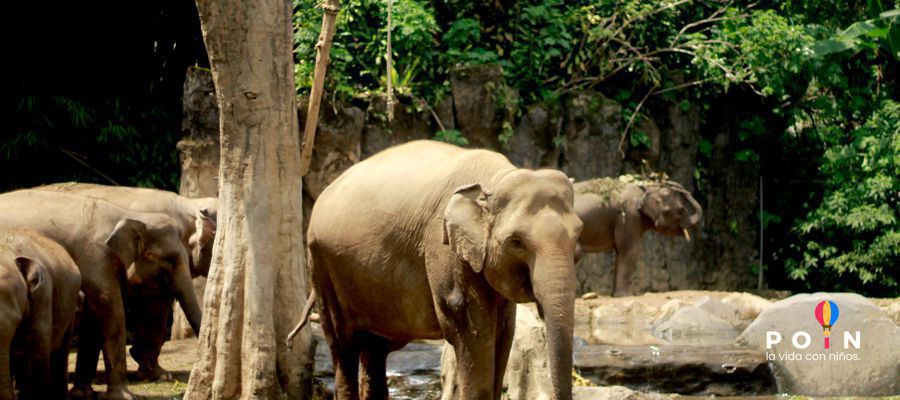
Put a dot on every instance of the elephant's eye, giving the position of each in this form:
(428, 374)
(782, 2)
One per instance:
(171, 260)
(517, 243)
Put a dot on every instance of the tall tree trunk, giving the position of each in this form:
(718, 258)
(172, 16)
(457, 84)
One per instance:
(257, 283)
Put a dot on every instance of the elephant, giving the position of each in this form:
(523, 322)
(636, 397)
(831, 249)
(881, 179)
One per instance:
(426, 240)
(109, 244)
(617, 211)
(149, 305)
(40, 295)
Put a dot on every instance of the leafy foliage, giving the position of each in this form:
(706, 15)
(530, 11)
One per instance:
(853, 236)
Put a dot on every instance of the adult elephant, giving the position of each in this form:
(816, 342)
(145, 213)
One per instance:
(39, 299)
(428, 240)
(150, 303)
(104, 240)
(196, 217)
(617, 211)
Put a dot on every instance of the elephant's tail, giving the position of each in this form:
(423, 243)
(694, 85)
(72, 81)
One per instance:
(304, 317)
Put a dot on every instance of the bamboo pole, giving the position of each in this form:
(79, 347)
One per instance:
(323, 49)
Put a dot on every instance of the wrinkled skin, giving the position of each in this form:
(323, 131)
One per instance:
(427, 240)
(104, 240)
(616, 217)
(149, 304)
(52, 298)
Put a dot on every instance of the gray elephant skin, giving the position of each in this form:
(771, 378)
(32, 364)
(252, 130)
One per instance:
(428, 240)
(110, 245)
(149, 305)
(617, 211)
(39, 299)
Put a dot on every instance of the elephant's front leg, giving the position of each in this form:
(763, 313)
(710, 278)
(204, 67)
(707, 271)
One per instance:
(106, 302)
(149, 335)
(88, 353)
(506, 331)
(469, 322)
(628, 251)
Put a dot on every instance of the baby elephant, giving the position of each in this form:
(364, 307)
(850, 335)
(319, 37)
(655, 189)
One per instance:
(39, 300)
(617, 211)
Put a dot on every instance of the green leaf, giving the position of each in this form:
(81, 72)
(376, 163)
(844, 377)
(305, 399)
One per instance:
(829, 46)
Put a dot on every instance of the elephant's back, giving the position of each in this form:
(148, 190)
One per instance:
(399, 189)
(34, 244)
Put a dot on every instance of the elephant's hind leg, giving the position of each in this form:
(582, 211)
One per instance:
(344, 352)
(373, 382)
(373, 357)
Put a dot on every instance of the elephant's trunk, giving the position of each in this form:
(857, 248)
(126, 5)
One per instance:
(184, 293)
(691, 218)
(553, 281)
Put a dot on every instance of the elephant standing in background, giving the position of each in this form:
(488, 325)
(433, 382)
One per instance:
(39, 299)
(428, 240)
(617, 212)
(110, 245)
(149, 305)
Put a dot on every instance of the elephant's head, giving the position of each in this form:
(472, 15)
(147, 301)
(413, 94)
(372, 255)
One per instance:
(201, 241)
(670, 209)
(151, 245)
(521, 235)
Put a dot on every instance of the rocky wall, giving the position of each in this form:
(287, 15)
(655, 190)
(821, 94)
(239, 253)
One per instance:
(580, 136)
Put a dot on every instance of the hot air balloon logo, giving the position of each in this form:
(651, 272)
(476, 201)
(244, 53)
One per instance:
(827, 314)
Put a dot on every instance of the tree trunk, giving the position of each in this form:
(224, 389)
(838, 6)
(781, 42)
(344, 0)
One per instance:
(199, 153)
(257, 283)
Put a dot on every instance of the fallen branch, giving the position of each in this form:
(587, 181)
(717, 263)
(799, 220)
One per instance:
(323, 48)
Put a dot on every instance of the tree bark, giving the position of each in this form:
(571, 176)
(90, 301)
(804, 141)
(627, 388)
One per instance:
(257, 283)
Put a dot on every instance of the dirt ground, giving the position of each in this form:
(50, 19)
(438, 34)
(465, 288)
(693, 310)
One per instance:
(178, 357)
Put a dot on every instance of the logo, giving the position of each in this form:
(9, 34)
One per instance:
(827, 314)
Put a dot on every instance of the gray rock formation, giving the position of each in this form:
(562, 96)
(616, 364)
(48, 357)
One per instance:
(871, 370)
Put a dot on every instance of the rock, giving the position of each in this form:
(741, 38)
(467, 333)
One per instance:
(612, 393)
(871, 370)
(528, 366)
(379, 133)
(625, 322)
(722, 370)
(695, 325)
(337, 146)
(589, 295)
(594, 273)
(724, 311)
(669, 309)
(749, 306)
(592, 130)
(480, 101)
(531, 144)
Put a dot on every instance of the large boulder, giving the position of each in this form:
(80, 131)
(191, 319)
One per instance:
(528, 368)
(695, 324)
(871, 370)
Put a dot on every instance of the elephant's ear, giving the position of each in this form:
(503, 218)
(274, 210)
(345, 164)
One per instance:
(651, 205)
(466, 225)
(33, 272)
(127, 240)
(206, 227)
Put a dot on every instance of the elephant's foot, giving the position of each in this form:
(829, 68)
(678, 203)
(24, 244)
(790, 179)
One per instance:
(81, 391)
(154, 373)
(120, 392)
